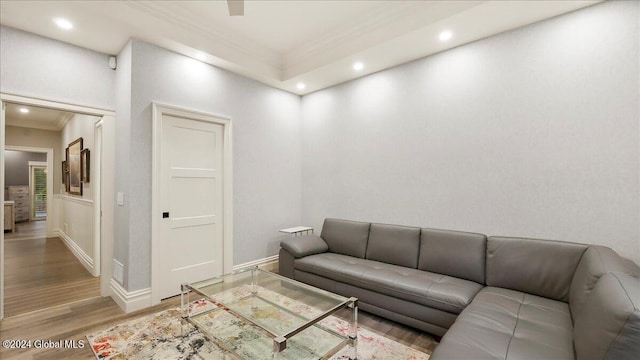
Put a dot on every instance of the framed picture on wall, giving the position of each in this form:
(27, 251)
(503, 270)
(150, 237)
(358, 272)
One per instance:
(85, 163)
(73, 162)
(64, 172)
(65, 176)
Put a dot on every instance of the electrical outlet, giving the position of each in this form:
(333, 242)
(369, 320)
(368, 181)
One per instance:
(118, 271)
(66, 228)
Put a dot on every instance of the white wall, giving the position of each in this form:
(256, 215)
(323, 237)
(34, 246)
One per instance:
(122, 150)
(74, 215)
(31, 65)
(74, 218)
(266, 152)
(532, 133)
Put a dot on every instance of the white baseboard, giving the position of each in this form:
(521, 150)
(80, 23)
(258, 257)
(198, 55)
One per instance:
(269, 263)
(84, 259)
(140, 299)
(130, 301)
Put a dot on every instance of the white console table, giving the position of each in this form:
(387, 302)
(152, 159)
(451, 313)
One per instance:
(298, 230)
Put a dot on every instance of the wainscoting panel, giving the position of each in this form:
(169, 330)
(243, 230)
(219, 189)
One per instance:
(74, 221)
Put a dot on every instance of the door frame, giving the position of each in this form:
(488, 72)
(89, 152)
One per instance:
(49, 164)
(158, 111)
(108, 167)
(32, 189)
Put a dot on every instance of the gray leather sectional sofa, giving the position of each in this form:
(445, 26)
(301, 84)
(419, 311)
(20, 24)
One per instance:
(491, 298)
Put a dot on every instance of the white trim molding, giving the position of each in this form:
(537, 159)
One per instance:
(54, 104)
(74, 199)
(269, 263)
(82, 256)
(130, 301)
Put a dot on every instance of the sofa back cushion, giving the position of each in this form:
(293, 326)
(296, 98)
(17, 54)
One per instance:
(596, 261)
(539, 267)
(454, 253)
(394, 244)
(609, 326)
(346, 237)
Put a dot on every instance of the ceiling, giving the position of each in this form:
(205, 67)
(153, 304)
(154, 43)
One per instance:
(284, 43)
(36, 118)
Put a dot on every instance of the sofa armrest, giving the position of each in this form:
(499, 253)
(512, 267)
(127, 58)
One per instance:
(301, 246)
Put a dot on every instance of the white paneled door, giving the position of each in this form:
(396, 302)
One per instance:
(191, 200)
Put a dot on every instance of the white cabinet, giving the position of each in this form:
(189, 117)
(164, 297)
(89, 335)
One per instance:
(20, 196)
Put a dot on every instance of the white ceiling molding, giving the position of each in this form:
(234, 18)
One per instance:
(282, 43)
(63, 119)
(371, 29)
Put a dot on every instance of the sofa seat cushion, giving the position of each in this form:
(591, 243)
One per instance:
(507, 324)
(440, 292)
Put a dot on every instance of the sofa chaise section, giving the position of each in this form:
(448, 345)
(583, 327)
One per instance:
(582, 309)
(523, 313)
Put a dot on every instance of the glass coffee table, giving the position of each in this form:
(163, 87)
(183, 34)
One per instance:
(256, 314)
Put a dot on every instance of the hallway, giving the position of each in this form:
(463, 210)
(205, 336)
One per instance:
(41, 272)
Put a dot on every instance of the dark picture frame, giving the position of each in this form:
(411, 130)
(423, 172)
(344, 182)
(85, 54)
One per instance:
(64, 172)
(73, 164)
(65, 177)
(85, 165)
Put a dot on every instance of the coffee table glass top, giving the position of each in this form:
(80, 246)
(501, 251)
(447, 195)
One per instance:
(255, 314)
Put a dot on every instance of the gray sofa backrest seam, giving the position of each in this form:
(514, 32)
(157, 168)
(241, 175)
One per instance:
(550, 270)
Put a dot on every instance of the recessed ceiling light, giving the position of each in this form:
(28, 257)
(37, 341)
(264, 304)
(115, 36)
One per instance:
(201, 56)
(301, 86)
(358, 66)
(63, 23)
(445, 35)
(24, 110)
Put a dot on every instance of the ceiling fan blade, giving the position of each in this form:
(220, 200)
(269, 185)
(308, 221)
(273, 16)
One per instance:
(236, 7)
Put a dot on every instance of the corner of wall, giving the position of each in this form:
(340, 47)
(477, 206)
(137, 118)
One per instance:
(130, 301)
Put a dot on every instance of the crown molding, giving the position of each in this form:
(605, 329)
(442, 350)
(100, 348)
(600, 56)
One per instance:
(181, 18)
(377, 26)
(63, 119)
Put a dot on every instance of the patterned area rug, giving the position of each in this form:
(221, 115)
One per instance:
(159, 336)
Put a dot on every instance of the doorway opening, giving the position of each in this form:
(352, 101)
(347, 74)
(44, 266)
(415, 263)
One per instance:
(57, 248)
(38, 190)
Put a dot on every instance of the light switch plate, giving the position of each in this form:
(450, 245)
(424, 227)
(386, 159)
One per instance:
(120, 199)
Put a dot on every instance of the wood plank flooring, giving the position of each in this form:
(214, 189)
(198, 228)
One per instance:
(75, 321)
(32, 262)
(68, 322)
(27, 230)
(42, 272)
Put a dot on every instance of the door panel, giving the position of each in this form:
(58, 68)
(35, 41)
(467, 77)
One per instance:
(191, 191)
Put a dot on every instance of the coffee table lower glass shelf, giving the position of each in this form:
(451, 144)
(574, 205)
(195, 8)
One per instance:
(256, 314)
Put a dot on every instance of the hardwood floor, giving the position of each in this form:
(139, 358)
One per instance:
(34, 267)
(27, 230)
(42, 272)
(68, 322)
(75, 321)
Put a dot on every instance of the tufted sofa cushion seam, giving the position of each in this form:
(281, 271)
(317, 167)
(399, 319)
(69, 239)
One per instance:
(513, 333)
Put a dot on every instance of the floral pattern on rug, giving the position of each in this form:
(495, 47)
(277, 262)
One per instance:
(159, 336)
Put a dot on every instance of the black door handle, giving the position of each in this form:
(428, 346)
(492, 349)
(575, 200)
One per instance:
(165, 215)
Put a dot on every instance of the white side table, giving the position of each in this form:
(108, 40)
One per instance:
(298, 230)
